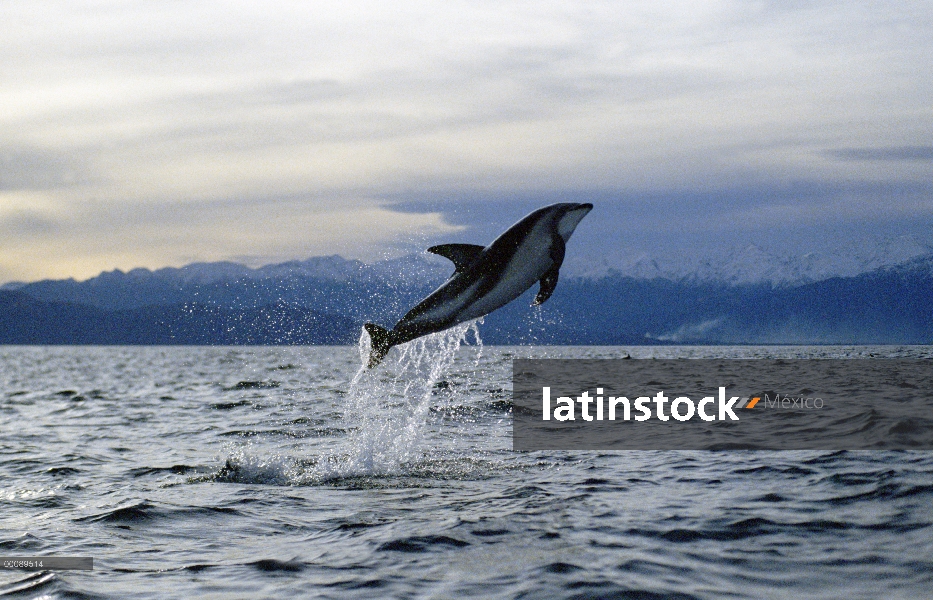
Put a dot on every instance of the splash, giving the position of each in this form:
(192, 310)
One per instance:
(243, 465)
(389, 406)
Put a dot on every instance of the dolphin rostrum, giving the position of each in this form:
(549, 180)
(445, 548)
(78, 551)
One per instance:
(488, 278)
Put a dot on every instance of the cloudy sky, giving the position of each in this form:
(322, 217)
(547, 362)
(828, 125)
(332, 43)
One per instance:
(160, 133)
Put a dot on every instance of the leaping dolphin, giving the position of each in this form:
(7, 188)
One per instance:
(488, 278)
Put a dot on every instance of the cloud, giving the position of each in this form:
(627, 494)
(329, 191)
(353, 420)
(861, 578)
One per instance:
(19, 224)
(755, 205)
(924, 153)
(785, 219)
(687, 116)
(38, 169)
(479, 85)
(86, 239)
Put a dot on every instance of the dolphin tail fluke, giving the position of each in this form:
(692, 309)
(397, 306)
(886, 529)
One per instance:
(381, 340)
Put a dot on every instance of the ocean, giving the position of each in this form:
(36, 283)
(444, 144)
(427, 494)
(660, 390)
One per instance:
(287, 472)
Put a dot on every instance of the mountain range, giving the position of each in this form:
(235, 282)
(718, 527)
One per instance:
(749, 298)
(750, 264)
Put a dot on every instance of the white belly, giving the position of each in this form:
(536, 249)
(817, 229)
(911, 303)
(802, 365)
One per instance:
(530, 262)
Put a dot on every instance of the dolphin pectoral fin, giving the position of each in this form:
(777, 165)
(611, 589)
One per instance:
(460, 254)
(548, 283)
(381, 340)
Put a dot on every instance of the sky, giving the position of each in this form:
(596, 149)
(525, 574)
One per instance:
(152, 134)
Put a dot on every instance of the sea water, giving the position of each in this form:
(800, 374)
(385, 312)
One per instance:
(290, 472)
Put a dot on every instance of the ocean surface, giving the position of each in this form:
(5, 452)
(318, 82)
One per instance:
(286, 472)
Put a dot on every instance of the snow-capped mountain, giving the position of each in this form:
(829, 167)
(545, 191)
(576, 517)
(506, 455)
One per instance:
(329, 268)
(332, 268)
(750, 264)
(744, 264)
(327, 299)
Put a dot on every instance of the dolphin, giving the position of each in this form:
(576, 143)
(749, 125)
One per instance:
(488, 278)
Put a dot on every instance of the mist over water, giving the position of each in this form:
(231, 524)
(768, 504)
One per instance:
(293, 472)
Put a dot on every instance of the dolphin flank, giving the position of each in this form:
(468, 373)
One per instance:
(488, 278)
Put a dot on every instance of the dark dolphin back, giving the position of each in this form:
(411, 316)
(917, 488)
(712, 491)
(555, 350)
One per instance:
(486, 269)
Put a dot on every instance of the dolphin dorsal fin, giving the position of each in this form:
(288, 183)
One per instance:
(460, 254)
